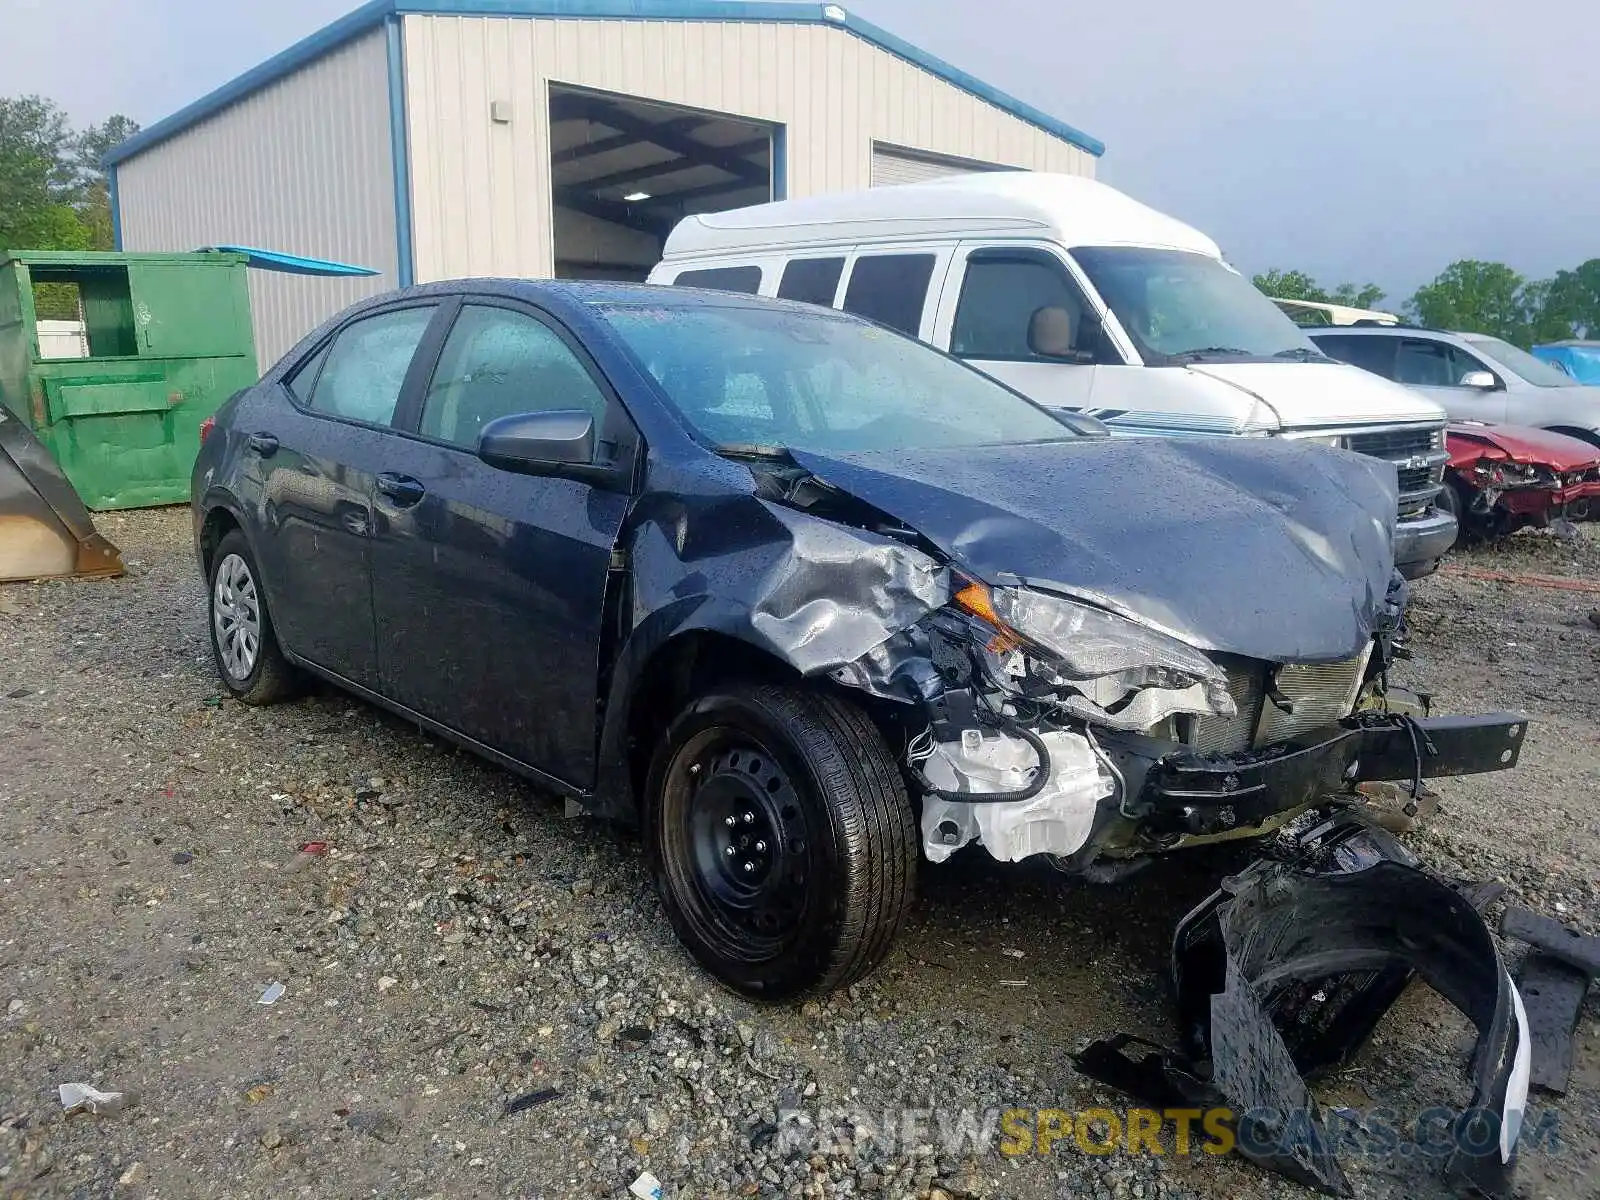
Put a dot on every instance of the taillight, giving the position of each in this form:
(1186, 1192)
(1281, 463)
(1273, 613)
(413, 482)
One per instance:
(206, 427)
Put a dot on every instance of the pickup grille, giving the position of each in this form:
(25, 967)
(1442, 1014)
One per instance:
(1396, 443)
(1321, 694)
(1420, 481)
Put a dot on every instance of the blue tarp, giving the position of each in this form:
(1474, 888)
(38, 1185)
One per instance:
(293, 264)
(1581, 360)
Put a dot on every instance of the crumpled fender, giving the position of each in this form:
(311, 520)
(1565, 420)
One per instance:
(811, 593)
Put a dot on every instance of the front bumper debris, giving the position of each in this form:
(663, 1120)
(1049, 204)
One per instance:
(1287, 969)
(1554, 980)
(1192, 794)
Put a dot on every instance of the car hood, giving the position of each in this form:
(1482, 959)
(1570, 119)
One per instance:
(1523, 444)
(1268, 549)
(1308, 394)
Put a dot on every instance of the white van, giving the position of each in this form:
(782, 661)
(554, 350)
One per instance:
(1084, 299)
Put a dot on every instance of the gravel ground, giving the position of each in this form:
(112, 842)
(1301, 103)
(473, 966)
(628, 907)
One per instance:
(462, 944)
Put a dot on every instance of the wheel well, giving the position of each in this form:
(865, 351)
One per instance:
(1583, 435)
(684, 667)
(219, 523)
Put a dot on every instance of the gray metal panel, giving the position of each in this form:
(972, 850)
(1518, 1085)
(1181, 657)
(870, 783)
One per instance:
(835, 93)
(302, 166)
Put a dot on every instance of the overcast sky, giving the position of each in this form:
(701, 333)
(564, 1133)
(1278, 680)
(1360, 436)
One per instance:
(1362, 139)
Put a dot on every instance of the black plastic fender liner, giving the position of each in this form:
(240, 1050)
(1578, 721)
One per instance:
(1288, 969)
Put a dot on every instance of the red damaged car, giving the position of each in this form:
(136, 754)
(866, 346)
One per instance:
(1503, 477)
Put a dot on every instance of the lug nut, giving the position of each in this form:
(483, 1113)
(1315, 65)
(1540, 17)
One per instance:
(729, 822)
(730, 851)
(761, 847)
(749, 867)
(749, 818)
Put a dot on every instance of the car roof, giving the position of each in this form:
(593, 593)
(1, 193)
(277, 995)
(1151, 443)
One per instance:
(569, 294)
(1070, 209)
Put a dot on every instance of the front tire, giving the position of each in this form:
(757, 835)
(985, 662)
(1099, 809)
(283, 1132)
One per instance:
(244, 646)
(781, 839)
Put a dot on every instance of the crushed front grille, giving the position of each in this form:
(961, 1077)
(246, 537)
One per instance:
(1321, 694)
(1229, 735)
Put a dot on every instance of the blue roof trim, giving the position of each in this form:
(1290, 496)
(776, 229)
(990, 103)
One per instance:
(373, 13)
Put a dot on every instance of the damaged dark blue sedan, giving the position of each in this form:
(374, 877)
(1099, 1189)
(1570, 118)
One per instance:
(806, 599)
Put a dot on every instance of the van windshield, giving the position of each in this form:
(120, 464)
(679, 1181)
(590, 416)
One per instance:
(1180, 307)
(778, 376)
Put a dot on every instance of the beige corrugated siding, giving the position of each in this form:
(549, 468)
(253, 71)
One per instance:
(302, 166)
(481, 191)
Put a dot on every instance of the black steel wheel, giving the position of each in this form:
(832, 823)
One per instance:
(781, 839)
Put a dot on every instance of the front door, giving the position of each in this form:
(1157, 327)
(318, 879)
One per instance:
(1020, 317)
(1437, 368)
(489, 588)
(317, 452)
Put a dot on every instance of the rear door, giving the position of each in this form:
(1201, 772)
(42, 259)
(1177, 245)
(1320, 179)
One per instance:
(317, 454)
(489, 587)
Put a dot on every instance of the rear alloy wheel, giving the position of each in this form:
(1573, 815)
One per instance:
(243, 643)
(781, 839)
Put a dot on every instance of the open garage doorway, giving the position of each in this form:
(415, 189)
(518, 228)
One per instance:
(625, 171)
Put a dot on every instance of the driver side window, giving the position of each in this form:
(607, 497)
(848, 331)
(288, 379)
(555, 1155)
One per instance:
(1020, 306)
(498, 362)
(1423, 363)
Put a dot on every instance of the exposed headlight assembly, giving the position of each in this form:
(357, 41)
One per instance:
(1107, 669)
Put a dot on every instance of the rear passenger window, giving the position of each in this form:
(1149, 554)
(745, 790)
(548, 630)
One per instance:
(304, 377)
(891, 289)
(364, 371)
(811, 280)
(722, 279)
(1375, 354)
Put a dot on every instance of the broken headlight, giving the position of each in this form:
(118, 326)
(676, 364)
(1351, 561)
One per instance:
(1104, 668)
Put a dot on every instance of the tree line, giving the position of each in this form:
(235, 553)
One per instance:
(1473, 297)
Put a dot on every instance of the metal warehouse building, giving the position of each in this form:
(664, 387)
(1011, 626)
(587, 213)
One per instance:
(437, 138)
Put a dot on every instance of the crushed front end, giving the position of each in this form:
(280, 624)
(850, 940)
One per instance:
(1509, 478)
(1051, 726)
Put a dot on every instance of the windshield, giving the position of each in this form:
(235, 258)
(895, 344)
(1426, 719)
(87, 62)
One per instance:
(1520, 362)
(773, 376)
(1183, 307)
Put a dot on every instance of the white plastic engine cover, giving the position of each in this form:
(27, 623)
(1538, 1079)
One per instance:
(1056, 821)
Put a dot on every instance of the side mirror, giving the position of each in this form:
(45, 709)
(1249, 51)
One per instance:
(534, 443)
(1482, 380)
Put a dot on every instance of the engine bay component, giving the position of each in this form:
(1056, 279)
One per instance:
(1056, 819)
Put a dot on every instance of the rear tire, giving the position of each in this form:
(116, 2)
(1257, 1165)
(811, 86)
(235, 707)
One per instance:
(781, 839)
(244, 646)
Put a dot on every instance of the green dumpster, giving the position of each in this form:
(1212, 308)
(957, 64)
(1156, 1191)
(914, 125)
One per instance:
(115, 359)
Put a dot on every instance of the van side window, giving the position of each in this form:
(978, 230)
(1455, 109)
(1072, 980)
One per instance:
(1020, 306)
(891, 289)
(811, 280)
(722, 279)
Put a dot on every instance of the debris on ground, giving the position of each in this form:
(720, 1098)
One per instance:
(646, 1187)
(530, 1100)
(273, 993)
(80, 1095)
